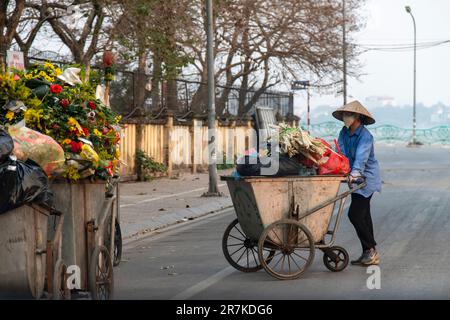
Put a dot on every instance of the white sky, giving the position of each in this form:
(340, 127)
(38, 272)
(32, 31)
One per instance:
(391, 73)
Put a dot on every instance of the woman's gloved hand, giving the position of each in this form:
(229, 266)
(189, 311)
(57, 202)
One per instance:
(354, 177)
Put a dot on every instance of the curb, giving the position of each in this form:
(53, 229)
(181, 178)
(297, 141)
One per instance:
(176, 218)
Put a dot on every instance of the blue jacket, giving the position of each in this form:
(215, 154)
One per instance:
(359, 149)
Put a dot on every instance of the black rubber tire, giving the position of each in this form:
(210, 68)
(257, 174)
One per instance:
(336, 266)
(117, 245)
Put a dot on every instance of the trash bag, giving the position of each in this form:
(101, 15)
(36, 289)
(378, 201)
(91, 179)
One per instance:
(336, 164)
(30, 144)
(6, 145)
(251, 166)
(22, 183)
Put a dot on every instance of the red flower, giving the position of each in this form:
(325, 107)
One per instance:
(85, 131)
(64, 103)
(108, 59)
(56, 88)
(16, 77)
(117, 138)
(92, 105)
(76, 146)
(109, 169)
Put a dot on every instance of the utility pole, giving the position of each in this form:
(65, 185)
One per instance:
(414, 141)
(344, 52)
(309, 107)
(213, 189)
(304, 85)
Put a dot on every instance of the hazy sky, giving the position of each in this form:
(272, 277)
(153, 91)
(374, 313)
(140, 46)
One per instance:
(391, 73)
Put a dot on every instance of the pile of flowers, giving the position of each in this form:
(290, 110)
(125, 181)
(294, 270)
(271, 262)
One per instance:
(59, 104)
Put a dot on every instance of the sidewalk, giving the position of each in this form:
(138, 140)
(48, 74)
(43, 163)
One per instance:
(148, 206)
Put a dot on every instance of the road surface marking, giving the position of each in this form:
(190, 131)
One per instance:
(167, 196)
(203, 285)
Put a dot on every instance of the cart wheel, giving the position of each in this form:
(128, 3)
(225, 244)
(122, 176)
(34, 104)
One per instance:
(117, 242)
(101, 280)
(240, 251)
(117, 245)
(60, 290)
(293, 245)
(335, 258)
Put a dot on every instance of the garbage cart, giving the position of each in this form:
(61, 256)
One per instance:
(281, 221)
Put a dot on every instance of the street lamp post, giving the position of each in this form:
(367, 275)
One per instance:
(344, 52)
(304, 85)
(414, 140)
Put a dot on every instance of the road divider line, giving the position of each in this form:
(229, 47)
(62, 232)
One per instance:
(203, 285)
(167, 196)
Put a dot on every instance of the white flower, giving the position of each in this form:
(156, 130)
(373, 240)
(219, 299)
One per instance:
(70, 76)
(100, 94)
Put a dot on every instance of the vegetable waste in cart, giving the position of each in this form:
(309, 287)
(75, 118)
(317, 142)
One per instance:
(299, 154)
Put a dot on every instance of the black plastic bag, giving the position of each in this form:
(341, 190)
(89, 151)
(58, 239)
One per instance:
(6, 145)
(22, 183)
(247, 167)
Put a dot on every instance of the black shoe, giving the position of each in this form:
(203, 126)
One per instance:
(370, 257)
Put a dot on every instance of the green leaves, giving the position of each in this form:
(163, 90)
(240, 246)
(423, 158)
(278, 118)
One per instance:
(148, 165)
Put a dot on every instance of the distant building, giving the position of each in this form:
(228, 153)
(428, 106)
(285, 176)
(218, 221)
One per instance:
(379, 101)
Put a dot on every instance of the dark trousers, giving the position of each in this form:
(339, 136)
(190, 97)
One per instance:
(359, 214)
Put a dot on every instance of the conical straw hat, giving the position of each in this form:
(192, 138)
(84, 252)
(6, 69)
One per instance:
(356, 107)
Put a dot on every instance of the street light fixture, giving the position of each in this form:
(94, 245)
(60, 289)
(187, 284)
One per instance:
(414, 141)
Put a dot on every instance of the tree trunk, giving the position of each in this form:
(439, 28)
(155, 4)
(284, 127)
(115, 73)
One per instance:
(200, 98)
(156, 82)
(139, 102)
(8, 27)
(139, 99)
(172, 96)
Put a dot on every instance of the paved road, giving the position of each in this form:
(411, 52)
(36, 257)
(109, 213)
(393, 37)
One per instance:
(412, 226)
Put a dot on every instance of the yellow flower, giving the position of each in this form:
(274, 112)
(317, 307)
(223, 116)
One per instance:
(33, 116)
(66, 141)
(28, 76)
(75, 126)
(49, 79)
(58, 72)
(74, 123)
(118, 154)
(97, 133)
(89, 154)
(10, 116)
(71, 173)
(49, 65)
